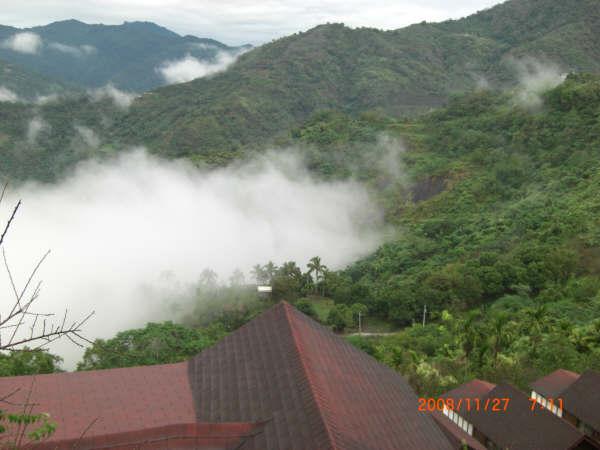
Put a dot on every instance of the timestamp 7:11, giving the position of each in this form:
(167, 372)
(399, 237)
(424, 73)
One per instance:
(551, 403)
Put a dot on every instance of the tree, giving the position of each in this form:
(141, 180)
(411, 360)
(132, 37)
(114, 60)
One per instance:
(315, 267)
(156, 343)
(339, 318)
(28, 362)
(258, 273)
(307, 308)
(358, 310)
(501, 335)
(208, 278)
(237, 278)
(290, 269)
(270, 270)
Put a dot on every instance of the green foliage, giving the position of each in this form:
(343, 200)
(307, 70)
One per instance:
(27, 85)
(59, 144)
(339, 318)
(306, 307)
(28, 362)
(509, 246)
(20, 430)
(156, 343)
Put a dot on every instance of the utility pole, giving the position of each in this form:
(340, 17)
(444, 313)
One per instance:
(424, 314)
(359, 323)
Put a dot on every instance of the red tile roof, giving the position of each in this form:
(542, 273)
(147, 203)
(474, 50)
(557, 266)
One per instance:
(455, 434)
(553, 384)
(470, 390)
(319, 391)
(192, 436)
(582, 398)
(309, 388)
(518, 427)
(111, 401)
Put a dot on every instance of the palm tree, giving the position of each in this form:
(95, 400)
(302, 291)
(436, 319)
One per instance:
(315, 266)
(208, 277)
(501, 335)
(269, 270)
(258, 273)
(290, 269)
(536, 324)
(237, 278)
(470, 336)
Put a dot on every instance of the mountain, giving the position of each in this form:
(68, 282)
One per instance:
(278, 85)
(94, 55)
(26, 84)
(43, 140)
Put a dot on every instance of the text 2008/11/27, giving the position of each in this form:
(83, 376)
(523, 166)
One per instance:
(431, 404)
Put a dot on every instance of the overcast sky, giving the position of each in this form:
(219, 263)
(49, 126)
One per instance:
(239, 21)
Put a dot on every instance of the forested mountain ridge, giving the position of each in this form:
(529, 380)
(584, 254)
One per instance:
(26, 84)
(280, 84)
(92, 55)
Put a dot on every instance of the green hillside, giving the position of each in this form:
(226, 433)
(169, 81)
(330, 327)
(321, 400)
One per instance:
(509, 247)
(279, 85)
(125, 55)
(43, 141)
(26, 84)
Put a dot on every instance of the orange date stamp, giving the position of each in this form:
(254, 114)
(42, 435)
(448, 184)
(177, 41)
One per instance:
(493, 404)
(547, 403)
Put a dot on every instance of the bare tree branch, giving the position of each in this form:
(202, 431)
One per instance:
(12, 216)
(84, 432)
(22, 314)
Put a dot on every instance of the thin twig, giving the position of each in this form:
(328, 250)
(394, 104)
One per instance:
(12, 216)
(3, 191)
(90, 425)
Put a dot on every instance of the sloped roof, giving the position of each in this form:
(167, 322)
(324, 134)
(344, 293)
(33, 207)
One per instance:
(317, 390)
(553, 384)
(282, 381)
(192, 436)
(518, 427)
(455, 434)
(582, 398)
(473, 389)
(107, 401)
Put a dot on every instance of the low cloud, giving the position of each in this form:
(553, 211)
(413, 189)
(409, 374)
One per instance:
(25, 42)
(120, 98)
(45, 99)
(535, 77)
(203, 46)
(76, 51)
(190, 68)
(88, 136)
(6, 95)
(34, 128)
(116, 227)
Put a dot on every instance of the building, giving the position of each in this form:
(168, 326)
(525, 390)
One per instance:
(280, 382)
(502, 417)
(574, 397)
(546, 390)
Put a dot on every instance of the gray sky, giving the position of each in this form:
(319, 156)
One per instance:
(239, 21)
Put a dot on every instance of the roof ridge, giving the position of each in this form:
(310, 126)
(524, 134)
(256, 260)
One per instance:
(312, 385)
